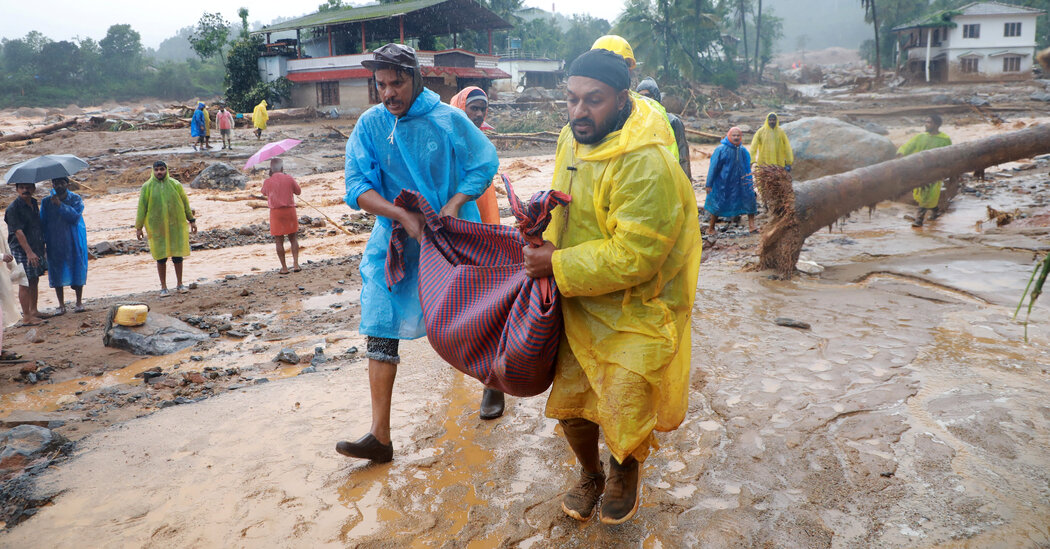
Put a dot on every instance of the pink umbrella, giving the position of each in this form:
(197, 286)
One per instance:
(271, 150)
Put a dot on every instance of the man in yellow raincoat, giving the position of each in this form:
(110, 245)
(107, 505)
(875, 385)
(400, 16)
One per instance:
(164, 211)
(259, 118)
(770, 144)
(927, 196)
(625, 254)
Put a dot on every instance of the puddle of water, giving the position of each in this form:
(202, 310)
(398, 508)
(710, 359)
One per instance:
(45, 398)
(331, 300)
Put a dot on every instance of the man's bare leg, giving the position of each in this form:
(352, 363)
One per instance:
(294, 240)
(79, 291)
(178, 273)
(162, 272)
(26, 301)
(381, 384)
(34, 296)
(711, 225)
(60, 294)
(279, 240)
(751, 223)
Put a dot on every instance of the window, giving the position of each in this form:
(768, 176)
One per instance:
(1012, 29)
(327, 93)
(937, 37)
(971, 31)
(969, 64)
(1012, 64)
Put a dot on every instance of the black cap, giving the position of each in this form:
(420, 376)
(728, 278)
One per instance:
(392, 56)
(160, 164)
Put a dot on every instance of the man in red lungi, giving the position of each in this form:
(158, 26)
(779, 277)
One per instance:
(279, 191)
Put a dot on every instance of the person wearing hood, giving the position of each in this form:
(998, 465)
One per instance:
(927, 196)
(197, 127)
(65, 239)
(730, 191)
(410, 141)
(207, 126)
(259, 118)
(625, 254)
(475, 102)
(164, 212)
(770, 144)
(649, 88)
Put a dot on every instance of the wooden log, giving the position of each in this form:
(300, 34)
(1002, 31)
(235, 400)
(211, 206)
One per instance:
(703, 134)
(499, 137)
(39, 131)
(818, 203)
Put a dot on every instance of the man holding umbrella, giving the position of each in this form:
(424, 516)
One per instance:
(26, 238)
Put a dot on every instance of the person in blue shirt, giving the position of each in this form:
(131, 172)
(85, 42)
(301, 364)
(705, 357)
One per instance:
(730, 190)
(65, 239)
(411, 141)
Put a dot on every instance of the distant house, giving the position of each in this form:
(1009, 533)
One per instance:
(981, 41)
(530, 72)
(323, 59)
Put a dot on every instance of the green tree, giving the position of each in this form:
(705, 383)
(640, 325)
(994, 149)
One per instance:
(540, 37)
(242, 13)
(331, 5)
(581, 35)
(673, 39)
(871, 15)
(121, 51)
(210, 37)
(59, 63)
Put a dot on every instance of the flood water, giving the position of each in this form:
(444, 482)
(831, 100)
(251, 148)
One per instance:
(911, 414)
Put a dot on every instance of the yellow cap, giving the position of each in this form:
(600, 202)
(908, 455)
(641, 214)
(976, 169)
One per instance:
(617, 45)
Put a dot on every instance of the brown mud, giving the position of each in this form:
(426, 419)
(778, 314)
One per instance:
(911, 413)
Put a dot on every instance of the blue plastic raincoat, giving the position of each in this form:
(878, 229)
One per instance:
(435, 150)
(66, 238)
(197, 123)
(730, 189)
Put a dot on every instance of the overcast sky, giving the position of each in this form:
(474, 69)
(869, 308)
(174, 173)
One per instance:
(155, 21)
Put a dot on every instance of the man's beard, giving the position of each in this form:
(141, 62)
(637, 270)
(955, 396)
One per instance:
(600, 131)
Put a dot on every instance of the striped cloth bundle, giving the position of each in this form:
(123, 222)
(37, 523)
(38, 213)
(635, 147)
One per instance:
(483, 314)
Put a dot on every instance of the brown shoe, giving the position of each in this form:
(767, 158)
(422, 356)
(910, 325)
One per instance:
(367, 447)
(623, 494)
(579, 503)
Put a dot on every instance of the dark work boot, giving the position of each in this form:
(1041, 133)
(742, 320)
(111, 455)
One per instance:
(491, 404)
(622, 493)
(920, 217)
(367, 447)
(581, 501)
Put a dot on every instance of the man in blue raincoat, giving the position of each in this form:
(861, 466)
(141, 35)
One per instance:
(65, 237)
(197, 127)
(730, 190)
(411, 141)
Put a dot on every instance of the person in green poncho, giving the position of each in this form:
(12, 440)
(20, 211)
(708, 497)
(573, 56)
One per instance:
(165, 211)
(929, 195)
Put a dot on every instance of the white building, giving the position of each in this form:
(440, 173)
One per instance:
(981, 41)
(528, 72)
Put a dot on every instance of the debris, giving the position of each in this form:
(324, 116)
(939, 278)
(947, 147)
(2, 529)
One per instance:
(220, 176)
(809, 267)
(1002, 217)
(25, 444)
(791, 323)
(287, 356)
(160, 335)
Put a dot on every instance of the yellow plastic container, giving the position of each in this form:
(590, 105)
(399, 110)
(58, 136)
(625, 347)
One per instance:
(131, 315)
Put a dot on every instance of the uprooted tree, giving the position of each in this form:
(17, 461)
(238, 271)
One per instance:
(800, 210)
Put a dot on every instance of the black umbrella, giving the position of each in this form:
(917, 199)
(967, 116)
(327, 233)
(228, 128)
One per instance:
(44, 168)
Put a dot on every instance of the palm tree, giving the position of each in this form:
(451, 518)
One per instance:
(758, 41)
(740, 11)
(871, 16)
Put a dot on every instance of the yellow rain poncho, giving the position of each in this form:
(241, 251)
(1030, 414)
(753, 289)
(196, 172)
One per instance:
(771, 145)
(165, 212)
(260, 116)
(626, 267)
(207, 122)
(929, 195)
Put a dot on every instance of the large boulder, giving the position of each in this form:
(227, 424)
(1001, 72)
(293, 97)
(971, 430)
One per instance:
(160, 335)
(827, 146)
(25, 444)
(220, 176)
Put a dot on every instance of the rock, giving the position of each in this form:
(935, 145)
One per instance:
(870, 126)
(791, 323)
(826, 146)
(978, 101)
(194, 377)
(308, 370)
(156, 379)
(73, 110)
(40, 419)
(811, 74)
(230, 277)
(52, 118)
(33, 336)
(220, 176)
(941, 99)
(1040, 96)
(745, 128)
(306, 220)
(193, 285)
(672, 103)
(30, 112)
(105, 247)
(809, 267)
(318, 358)
(351, 351)
(534, 95)
(287, 356)
(27, 443)
(237, 334)
(65, 399)
(246, 230)
(160, 335)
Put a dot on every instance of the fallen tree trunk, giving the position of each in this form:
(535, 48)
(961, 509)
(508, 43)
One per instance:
(818, 203)
(38, 132)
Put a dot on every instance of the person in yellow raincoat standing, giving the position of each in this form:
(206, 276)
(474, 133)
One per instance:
(259, 118)
(207, 128)
(164, 211)
(770, 145)
(625, 254)
(927, 196)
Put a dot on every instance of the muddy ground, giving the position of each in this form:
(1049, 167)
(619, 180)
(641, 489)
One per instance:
(911, 414)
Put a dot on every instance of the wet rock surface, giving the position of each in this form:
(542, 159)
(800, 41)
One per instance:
(160, 335)
(827, 146)
(221, 176)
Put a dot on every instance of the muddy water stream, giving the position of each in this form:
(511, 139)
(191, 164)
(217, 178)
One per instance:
(911, 414)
